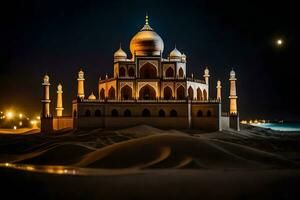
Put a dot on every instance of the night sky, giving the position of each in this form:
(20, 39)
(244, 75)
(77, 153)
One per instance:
(59, 37)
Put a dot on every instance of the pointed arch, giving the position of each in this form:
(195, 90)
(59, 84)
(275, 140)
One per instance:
(199, 113)
(148, 71)
(114, 113)
(102, 94)
(126, 92)
(170, 72)
(208, 114)
(205, 98)
(147, 93)
(191, 93)
(199, 94)
(173, 113)
(87, 113)
(180, 72)
(168, 93)
(127, 113)
(112, 93)
(131, 72)
(122, 72)
(180, 92)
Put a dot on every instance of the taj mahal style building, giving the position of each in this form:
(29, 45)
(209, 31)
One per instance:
(144, 89)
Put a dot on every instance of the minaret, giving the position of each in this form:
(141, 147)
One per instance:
(59, 106)
(80, 80)
(233, 97)
(206, 75)
(219, 94)
(46, 98)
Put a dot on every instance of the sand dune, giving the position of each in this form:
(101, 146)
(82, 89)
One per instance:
(175, 151)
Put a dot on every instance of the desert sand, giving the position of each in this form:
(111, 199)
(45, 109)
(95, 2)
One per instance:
(144, 162)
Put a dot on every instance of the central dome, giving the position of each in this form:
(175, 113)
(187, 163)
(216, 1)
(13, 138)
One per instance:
(146, 42)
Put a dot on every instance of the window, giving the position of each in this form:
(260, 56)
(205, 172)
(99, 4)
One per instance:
(131, 72)
(200, 113)
(146, 113)
(87, 113)
(98, 113)
(173, 113)
(170, 72)
(114, 113)
(161, 113)
(122, 72)
(127, 113)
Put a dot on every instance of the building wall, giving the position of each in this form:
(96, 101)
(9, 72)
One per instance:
(186, 115)
(62, 122)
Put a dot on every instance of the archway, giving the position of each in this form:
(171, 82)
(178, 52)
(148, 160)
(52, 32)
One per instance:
(180, 92)
(111, 93)
(199, 94)
(191, 93)
(148, 71)
(180, 73)
(173, 113)
(147, 93)
(204, 95)
(161, 113)
(102, 94)
(114, 113)
(122, 72)
(208, 114)
(170, 72)
(199, 113)
(126, 92)
(131, 72)
(146, 113)
(167, 93)
(127, 113)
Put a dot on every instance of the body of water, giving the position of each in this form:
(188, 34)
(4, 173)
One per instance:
(280, 126)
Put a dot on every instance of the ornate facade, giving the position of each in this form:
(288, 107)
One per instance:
(149, 89)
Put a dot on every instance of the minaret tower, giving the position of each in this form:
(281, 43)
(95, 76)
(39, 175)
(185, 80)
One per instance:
(80, 80)
(59, 106)
(219, 94)
(206, 75)
(46, 98)
(233, 97)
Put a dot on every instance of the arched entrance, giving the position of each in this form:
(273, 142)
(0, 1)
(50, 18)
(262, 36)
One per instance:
(205, 95)
(147, 93)
(180, 73)
(131, 72)
(122, 72)
(191, 93)
(170, 72)
(111, 93)
(126, 92)
(180, 92)
(199, 94)
(167, 93)
(148, 71)
(102, 94)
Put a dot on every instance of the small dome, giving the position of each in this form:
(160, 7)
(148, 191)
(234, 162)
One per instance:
(175, 53)
(92, 96)
(59, 87)
(146, 42)
(183, 57)
(120, 54)
(232, 74)
(46, 79)
(218, 82)
(206, 71)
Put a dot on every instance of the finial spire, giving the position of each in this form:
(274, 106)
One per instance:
(147, 19)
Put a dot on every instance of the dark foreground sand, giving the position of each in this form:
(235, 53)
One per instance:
(156, 164)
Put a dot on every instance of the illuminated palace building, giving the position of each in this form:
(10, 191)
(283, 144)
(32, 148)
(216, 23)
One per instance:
(144, 89)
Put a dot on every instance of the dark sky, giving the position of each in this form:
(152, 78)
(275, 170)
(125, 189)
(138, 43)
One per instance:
(60, 36)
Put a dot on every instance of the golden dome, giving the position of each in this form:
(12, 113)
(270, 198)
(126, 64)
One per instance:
(92, 96)
(146, 42)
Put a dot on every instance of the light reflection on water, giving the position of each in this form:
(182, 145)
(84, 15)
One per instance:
(280, 126)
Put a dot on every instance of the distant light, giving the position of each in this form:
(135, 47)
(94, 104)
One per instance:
(9, 115)
(33, 122)
(279, 42)
(15, 127)
(20, 115)
(20, 123)
(38, 117)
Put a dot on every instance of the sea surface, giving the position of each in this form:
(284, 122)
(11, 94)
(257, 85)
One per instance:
(280, 126)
